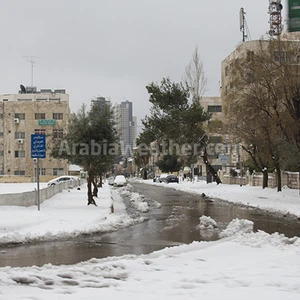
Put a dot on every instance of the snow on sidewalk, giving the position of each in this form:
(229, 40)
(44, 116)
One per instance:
(65, 215)
(287, 201)
(245, 266)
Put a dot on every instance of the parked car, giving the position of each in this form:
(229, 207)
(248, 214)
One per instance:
(120, 180)
(162, 177)
(61, 179)
(169, 179)
(110, 180)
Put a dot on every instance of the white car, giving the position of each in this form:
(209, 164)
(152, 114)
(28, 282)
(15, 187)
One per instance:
(120, 180)
(61, 179)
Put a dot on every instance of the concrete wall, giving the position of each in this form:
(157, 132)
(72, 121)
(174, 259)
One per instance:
(31, 198)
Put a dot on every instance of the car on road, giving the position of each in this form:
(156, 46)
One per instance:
(120, 180)
(169, 179)
(62, 179)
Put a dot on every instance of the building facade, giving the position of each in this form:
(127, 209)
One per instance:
(126, 127)
(31, 112)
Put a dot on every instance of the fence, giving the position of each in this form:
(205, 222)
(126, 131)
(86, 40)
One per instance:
(31, 198)
(289, 179)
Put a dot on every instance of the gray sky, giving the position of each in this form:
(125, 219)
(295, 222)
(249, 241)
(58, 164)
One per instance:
(114, 48)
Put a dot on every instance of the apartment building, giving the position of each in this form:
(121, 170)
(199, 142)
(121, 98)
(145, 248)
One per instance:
(126, 126)
(31, 112)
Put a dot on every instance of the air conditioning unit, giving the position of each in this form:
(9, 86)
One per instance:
(20, 141)
(16, 120)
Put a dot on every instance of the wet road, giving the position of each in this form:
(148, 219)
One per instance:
(172, 224)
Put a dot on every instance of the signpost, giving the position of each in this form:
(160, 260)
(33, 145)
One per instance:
(294, 15)
(38, 150)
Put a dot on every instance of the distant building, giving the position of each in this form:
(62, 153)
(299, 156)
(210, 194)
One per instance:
(102, 103)
(31, 112)
(126, 126)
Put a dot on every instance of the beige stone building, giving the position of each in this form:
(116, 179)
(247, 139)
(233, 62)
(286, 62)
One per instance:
(34, 112)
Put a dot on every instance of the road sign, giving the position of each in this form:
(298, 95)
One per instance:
(38, 146)
(294, 15)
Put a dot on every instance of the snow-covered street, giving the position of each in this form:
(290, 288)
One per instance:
(241, 265)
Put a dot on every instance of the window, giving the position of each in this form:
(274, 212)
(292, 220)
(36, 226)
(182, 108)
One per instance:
(250, 56)
(1, 133)
(42, 171)
(20, 173)
(20, 153)
(20, 116)
(58, 116)
(1, 153)
(58, 171)
(226, 71)
(39, 116)
(1, 116)
(282, 56)
(214, 108)
(58, 133)
(20, 135)
(40, 131)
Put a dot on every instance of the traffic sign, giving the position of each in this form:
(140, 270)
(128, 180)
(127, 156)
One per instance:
(38, 146)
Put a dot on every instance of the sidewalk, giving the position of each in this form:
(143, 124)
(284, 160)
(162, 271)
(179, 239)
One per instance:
(65, 215)
(285, 202)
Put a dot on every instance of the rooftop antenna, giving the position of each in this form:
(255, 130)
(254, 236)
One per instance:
(242, 23)
(275, 8)
(31, 60)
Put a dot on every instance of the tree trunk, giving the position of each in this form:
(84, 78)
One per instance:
(210, 169)
(100, 184)
(278, 173)
(89, 193)
(265, 177)
(95, 189)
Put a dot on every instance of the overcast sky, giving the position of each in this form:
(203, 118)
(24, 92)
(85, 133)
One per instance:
(114, 48)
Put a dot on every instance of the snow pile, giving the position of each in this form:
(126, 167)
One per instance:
(261, 238)
(139, 202)
(237, 226)
(207, 223)
(65, 215)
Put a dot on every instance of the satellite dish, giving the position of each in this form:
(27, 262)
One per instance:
(23, 89)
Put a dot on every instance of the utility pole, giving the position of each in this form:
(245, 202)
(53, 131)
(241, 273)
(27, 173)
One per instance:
(31, 60)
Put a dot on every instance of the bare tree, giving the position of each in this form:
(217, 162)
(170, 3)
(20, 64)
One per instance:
(194, 76)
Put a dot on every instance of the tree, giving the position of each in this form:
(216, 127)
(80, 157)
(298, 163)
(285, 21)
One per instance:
(91, 142)
(194, 76)
(175, 124)
(170, 163)
(195, 79)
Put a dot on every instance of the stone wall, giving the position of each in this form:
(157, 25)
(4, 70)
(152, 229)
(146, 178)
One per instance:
(289, 179)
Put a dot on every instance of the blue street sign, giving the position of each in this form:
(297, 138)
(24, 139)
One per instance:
(38, 146)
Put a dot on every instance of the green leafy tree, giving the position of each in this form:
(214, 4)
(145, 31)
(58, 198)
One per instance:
(175, 123)
(170, 163)
(91, 142)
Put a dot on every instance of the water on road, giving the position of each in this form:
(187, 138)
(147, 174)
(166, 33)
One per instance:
(174, 223)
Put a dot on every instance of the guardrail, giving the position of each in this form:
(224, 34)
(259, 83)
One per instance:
(31, 198)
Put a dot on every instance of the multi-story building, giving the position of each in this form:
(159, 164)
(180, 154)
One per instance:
(213, 105)
(31, 112)
(102, 103)
(126, 126)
